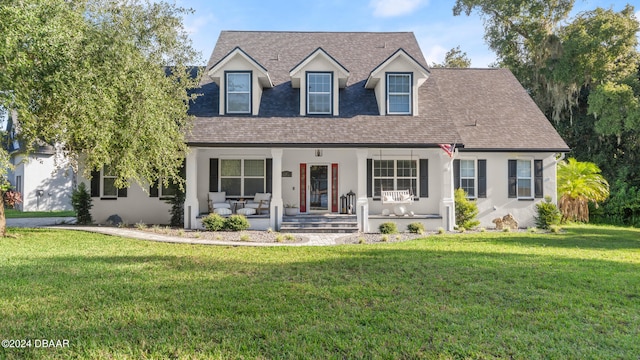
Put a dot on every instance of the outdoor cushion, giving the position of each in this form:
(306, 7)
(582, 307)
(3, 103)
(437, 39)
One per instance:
(222, 211)
(246, 211)
(260, 202)
(218, 200)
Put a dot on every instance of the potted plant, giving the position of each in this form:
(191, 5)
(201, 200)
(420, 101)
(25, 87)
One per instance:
(291, 209)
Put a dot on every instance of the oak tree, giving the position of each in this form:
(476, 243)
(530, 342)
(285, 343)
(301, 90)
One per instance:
(108, 80)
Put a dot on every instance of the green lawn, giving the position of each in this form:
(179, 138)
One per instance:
(489, 295)
(15, 214)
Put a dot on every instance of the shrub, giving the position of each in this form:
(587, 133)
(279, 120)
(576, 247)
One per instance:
(81, 202)
(547, 214)
(441, 230)
(213, 222)
(416, 228)
(388, 228)
(236, 223)
(384, 238)
(177, 208)
(466, 210)
(141, 225)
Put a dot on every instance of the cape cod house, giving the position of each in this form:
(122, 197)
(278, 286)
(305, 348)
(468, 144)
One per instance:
(304, 118)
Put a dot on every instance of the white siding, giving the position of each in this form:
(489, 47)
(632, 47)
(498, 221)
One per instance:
(39, 172)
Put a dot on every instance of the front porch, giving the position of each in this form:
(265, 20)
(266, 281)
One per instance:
(314, 180)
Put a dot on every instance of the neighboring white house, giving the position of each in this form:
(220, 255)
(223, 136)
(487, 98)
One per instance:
(44, 180)
(311, 116)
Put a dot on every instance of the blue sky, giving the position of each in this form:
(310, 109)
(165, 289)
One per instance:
(432, 21)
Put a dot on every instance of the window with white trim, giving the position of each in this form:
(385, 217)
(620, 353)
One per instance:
(525, 178)
(399, 93)
(468, 177)
(238, 92)
(109, 189)
(319, 93)
(242, 177)
(395, 175)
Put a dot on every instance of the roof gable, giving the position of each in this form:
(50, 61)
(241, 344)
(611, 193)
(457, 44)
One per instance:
(404, 60)
(237, 53)
(318, 56)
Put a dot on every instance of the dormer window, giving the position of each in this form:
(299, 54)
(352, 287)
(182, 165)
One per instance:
(396, 82)
(319, 77)
(241, 80)
(399, 93)
(238, 92)
(319, 93)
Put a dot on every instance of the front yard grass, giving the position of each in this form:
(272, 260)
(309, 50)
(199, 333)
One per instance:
(486, 295)
(16, 214)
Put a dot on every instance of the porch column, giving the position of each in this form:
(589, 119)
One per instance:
(191, 204)
(447, 207)
(276, 190)
(362, 206)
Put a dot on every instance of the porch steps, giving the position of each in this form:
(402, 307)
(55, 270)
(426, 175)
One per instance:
(329, 223)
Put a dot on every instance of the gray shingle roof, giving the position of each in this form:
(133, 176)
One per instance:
(450, 100)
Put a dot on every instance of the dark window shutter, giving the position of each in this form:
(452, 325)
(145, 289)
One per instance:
(369, 178)
(95, 183)
(153, 189)
(482, 178)
(456, 174)
(122, 192)
(537, 174)
(269, 174)
(213, 175)
(424, 178)
(513, 178)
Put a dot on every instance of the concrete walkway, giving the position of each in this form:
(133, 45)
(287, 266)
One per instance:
(314, 239)
(59, 223)
(39, 222)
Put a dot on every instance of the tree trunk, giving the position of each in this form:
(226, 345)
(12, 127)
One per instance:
(3, 219)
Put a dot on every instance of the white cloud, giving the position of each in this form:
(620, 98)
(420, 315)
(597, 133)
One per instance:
(390, 8)
(195, 24)
(438, 37)
(435, 54)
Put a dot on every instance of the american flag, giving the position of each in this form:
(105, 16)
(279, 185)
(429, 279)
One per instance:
(448, 148)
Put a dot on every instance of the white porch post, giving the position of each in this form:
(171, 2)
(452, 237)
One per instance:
(191, 205)
(276, 190)
(447, 208)
(362, 206)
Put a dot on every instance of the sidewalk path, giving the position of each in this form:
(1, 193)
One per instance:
(59, 223)
(39, 222)
(314, 239)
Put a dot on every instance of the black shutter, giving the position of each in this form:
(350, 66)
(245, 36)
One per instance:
(122, 192)
(482, 178)
(537, 174)
(213, 175)
(269, 174)
(456, 174)
(153, 189)
(513, 178)
(424, 178)
(369, 178)
(95, 183)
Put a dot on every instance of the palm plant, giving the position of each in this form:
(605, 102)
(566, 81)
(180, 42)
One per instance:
(578, 184)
